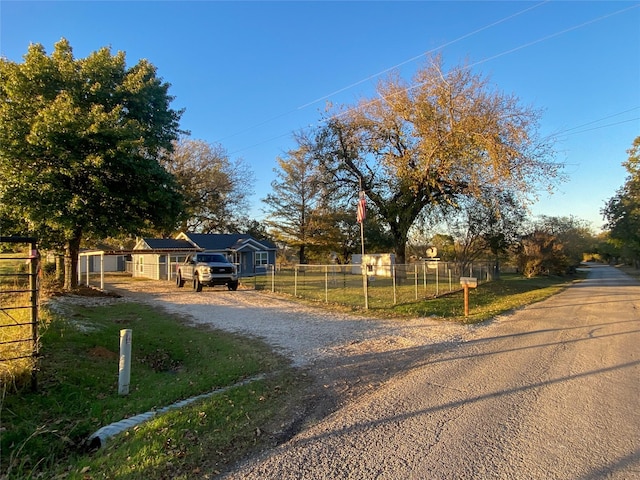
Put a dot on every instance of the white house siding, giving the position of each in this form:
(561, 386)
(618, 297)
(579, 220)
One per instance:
(146, 266)
(156, 266)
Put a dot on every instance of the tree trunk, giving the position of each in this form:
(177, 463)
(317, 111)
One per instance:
(400, 235)
(496, 269)
(71, 250)
(59, 268)
(400, 247)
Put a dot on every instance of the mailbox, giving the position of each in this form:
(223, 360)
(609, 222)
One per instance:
(469, 282)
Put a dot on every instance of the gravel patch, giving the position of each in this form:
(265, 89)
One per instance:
(304, 333)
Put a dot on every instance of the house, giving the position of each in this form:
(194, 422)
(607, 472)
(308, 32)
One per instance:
(250, 255)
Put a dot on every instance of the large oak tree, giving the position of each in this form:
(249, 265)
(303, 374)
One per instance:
(79, 147)
(425, 143)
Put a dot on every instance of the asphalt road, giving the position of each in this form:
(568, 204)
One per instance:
(549, 392)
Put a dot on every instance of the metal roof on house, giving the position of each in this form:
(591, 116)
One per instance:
(169, 244)
(225, 241)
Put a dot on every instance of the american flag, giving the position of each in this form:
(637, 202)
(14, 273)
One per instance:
(362, 208)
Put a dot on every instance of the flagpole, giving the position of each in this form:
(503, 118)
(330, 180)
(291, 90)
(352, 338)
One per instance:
(363, 267)
(365, 283)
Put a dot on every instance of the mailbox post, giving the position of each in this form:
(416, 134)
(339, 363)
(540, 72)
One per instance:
(467, 283)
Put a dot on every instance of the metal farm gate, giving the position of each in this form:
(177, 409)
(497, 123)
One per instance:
(19, 287)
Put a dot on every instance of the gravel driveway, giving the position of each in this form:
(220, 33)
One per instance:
(305, 334)
(346, 355)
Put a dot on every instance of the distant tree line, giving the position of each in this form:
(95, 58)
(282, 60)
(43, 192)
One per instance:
(91, 151)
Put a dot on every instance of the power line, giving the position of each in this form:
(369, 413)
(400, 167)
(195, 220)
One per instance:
(599, 120)
(553, 35)
(375, 75)
(506, 52)
(413, 59)
(487, 59)
(602, 126)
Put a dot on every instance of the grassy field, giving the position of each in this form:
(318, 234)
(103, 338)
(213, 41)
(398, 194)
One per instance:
(44, 432)
(488, 300)
(16, 338)
(397, 301)
(337, 284)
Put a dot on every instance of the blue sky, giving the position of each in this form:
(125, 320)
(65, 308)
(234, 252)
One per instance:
(249, 74)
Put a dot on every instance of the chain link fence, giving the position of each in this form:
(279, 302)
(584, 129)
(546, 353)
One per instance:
(386, 285)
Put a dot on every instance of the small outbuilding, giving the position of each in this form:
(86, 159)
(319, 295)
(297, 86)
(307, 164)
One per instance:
(377, 264)
(161, 256)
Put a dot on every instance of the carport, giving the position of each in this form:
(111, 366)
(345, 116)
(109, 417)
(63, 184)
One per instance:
(171, 253)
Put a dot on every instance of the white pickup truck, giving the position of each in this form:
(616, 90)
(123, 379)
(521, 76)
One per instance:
(207, 269)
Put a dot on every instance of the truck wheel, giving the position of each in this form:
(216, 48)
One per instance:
(233, 285)
(179, 280)
(197, 286)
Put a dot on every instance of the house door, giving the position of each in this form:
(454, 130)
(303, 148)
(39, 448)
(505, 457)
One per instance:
(245, 264)
(163, 271)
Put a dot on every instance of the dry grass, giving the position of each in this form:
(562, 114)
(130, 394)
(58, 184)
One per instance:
(16, 328)
(16, 340)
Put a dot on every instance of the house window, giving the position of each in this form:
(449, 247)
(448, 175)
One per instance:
(262, 258)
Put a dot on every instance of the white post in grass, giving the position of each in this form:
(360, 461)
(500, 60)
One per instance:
(102, 271)
(124, 371)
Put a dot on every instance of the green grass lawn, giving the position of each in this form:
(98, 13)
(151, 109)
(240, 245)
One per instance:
(488, 300)
(339, 285)
(43, 433)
